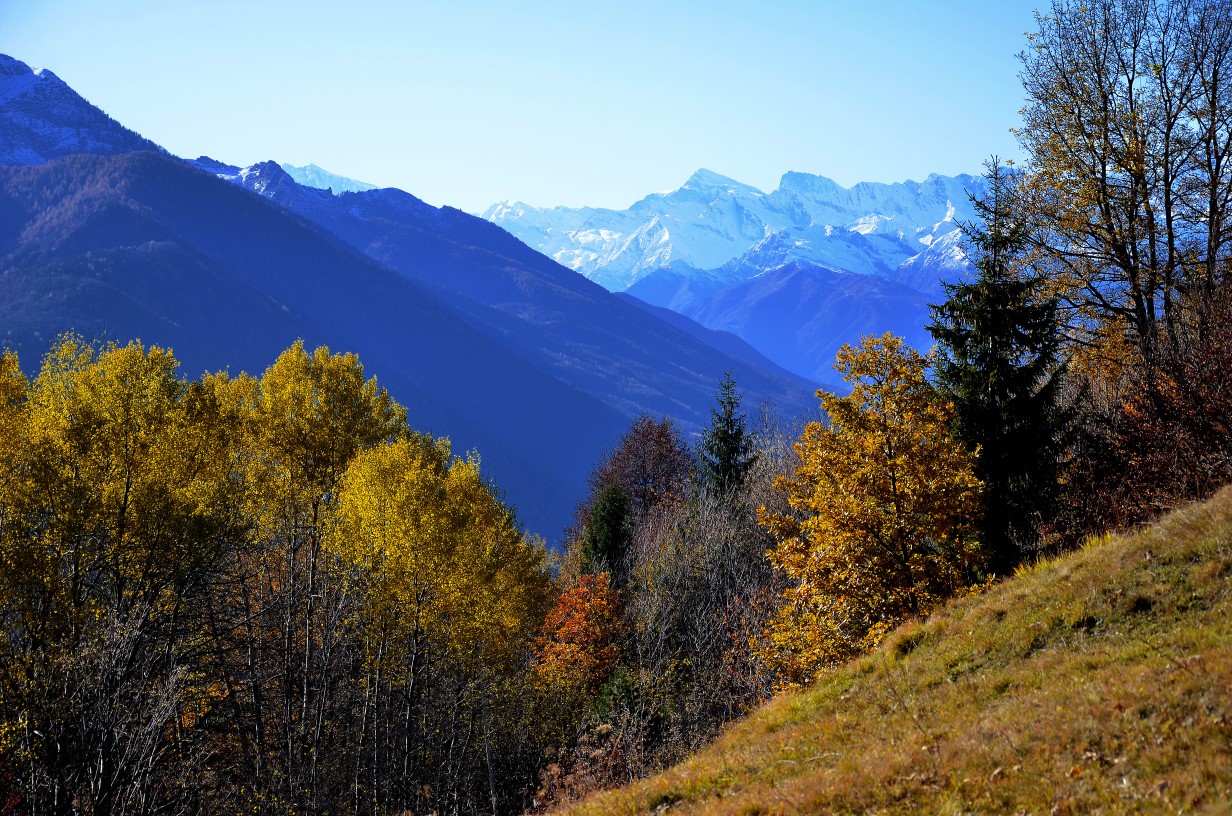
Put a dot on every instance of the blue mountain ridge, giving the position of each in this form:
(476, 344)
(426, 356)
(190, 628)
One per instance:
(564, 322)
(485, 340)
(864, 259)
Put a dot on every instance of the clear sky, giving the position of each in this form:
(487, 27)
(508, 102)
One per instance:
(582, 102)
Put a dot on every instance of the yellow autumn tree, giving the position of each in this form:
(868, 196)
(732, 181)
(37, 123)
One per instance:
(448, 594)
(884, 506)
(441, 559)
(113, 517)
(13, 387)
(281, 606)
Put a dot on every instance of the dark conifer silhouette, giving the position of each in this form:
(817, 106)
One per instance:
(726, 451)
(998, 360)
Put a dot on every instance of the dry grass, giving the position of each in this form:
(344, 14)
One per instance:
(1097, 682)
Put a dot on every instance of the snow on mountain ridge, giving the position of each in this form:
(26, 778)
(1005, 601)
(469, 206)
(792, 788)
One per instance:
(713, 222)
(312, 176)
(943, 260)
(709, 181)
(796, 181)
(14, 81)
(42, 118)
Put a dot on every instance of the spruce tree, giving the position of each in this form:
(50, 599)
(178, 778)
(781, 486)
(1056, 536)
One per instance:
(998, 361)
(608, 534)
(726, 449)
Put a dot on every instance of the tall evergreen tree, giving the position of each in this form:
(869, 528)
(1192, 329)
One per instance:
(608, 534)
(726, 449)
(998, 361)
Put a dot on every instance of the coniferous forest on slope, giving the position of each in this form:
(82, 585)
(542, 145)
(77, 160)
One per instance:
(274, 593)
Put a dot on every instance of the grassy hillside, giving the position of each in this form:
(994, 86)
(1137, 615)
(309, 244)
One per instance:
(1097, 682)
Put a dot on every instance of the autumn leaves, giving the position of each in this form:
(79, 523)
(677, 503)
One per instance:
(264, 594)
(884, 514)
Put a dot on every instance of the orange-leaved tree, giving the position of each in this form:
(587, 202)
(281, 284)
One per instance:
(579, 647)
(883, 512)
(577, 655)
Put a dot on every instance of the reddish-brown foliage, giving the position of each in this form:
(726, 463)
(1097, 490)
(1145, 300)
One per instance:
(578, 649)
(651, 465)
(1167, 441)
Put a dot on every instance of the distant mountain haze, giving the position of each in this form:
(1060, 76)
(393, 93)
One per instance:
(560, 320)
(313, 176)
(796, 272)
(484, 339)
(799, 315)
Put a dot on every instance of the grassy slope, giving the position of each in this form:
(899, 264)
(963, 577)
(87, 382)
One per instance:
(1097, 682)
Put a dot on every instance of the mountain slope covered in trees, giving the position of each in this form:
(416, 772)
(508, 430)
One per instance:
(42, 118)
(142, 246)
(485, 339)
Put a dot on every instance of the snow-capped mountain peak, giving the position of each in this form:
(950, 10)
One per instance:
(507, 209)
(713, 222)
(796, 182)
(702, 188)
(259, 176)
(710, 181)
(312, 176)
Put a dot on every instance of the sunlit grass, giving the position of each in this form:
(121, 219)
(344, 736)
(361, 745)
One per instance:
(1095, 682)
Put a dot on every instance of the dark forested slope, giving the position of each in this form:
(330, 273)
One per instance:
(142, 246)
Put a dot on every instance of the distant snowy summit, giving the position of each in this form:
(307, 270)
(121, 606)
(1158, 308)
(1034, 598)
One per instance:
(721, 227)
(321, 179)
(796, 272)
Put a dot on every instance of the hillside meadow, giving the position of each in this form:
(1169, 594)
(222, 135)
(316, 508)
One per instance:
(1096, 682)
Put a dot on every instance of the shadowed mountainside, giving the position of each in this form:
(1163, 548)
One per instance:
(142, 246)
(630, 358)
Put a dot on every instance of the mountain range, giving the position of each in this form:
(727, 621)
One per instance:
(796, 272)
(551, 315)
(486, 340)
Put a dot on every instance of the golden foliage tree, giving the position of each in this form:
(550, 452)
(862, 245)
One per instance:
(449, 594)
(884, 506)
(443, 560)
(258, 595)
(295, 431)
(113, 516)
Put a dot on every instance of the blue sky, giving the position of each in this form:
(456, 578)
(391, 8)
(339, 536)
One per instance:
(468, 103)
